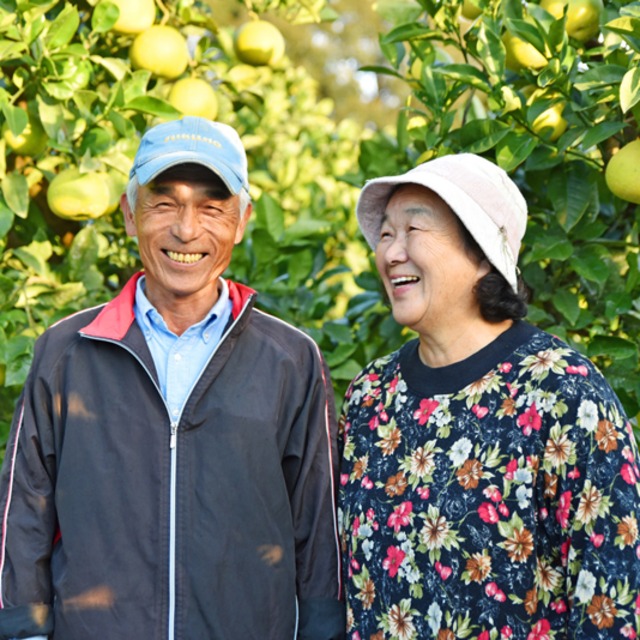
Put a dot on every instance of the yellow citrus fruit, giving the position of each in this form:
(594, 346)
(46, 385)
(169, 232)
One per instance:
(31, 142)
(583, 16)
(135, 15)
(79, 196)
(194, 97)
(521, 54)
(259, 42)
(549, 123)
(470, 10)
(622, 174)
(160, 49)
(117, 183)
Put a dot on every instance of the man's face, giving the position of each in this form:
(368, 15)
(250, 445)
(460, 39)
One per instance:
(186, 231)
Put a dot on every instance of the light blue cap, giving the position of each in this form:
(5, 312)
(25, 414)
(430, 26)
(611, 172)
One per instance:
(214, 145)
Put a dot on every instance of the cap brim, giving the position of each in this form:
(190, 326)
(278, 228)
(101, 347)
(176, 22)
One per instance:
(154, 167)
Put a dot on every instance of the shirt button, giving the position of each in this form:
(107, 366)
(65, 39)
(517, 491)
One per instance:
(177, 357)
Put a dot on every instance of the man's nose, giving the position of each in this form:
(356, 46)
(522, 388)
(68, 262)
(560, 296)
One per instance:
(186, 225)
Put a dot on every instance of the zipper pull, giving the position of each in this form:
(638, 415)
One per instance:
(174, 435)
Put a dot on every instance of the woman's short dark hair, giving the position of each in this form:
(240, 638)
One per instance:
(497, 300)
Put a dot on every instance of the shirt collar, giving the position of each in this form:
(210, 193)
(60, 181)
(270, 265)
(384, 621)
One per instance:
(153, 321)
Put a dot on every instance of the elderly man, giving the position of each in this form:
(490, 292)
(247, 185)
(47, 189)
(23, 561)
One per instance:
(170, 469)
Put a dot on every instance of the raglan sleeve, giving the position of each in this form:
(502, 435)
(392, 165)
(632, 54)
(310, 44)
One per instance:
(311, 469)
(594, 470)
(28, 517)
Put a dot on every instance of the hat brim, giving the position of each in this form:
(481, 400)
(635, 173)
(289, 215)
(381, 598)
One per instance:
(154, 167)
(375, 195)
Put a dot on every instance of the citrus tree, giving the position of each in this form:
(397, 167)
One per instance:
(80, 82)
(551, 92)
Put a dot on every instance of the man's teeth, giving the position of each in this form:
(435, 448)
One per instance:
(187, 258)
(403, 280)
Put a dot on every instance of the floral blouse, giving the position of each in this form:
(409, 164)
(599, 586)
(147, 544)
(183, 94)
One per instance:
(494, 498)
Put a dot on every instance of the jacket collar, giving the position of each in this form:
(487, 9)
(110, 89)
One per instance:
(116, 317)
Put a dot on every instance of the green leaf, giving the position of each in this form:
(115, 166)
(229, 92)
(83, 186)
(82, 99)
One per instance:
(338, 355)
(63, 28)
(625, 25)
(589, 262)
(104, 16)
(572, 189)
(567, 303)
(270, 216)
(346, 371)
(465, 73)
(6, 218)
(16, 118)
(514, 149)
(16, 193)
(602, 131)
(600, 76)
(613, 347)
(83, 253)
(35, 256)
(152, 106)
(117, 67)
(630, 89)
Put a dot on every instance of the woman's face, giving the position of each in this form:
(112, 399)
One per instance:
(426, 271)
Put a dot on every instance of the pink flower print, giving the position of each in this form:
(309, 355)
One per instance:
(380, 410)
(559, 606)
(596, 539)
(512, 467)
(394, 559)
(530, 420)
(543, 513)
(628, 474)
(484, 635)
(356, 636)
(580, 370)
(503, 509)
(506, 632)
(505, 367)
(374, 423)
(627, 454)
(493, 591)
(443, 572)
(371, 514)
(355, 527)
(564, 551)
(637, 610)
(562, 514)
(401, 516)
(423, 492)
(629, 632)
(373, 377)
(540, 630)
(574, 474)
(344, 478)
(393, 385)
(366, 483)
(488, 513)
(493, 493)
(427, 407)
(480, 412)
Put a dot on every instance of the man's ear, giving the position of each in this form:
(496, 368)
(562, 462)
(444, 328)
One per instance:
(129, 217)
(242, 225)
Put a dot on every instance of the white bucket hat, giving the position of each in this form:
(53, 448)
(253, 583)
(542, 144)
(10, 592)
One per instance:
(480, 193)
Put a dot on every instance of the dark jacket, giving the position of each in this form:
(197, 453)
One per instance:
(118, 524)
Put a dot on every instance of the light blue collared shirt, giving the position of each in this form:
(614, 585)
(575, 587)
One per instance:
(179, 360)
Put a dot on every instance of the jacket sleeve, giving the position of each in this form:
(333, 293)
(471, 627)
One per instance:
(310, 469)
(28, 518)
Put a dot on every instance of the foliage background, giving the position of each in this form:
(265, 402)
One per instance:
(312, 139)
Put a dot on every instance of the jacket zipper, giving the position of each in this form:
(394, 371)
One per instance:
(173, 447)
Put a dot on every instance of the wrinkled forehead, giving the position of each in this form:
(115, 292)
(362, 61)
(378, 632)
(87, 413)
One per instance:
(415, 199)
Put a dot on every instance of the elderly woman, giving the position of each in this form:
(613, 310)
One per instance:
(489, 485)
